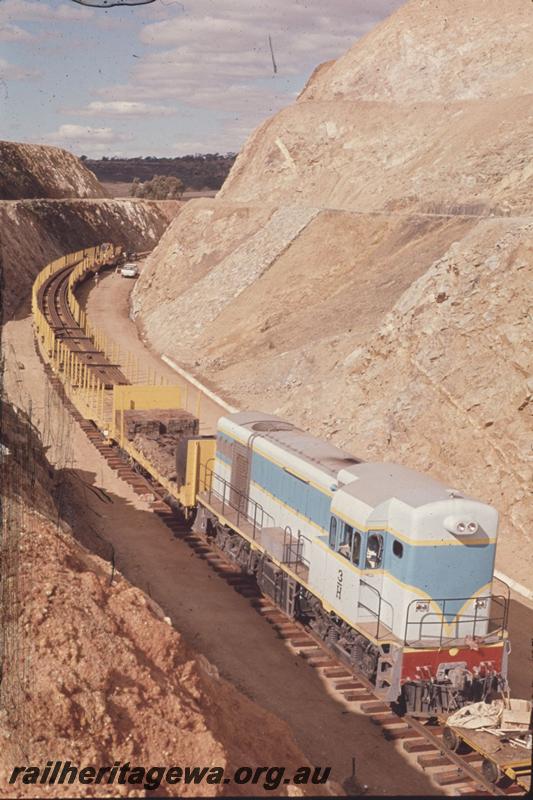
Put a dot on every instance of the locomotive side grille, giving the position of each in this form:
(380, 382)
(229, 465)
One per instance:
(240, 476)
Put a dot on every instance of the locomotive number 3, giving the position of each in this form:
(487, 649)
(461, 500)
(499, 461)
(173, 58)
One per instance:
(338, 593)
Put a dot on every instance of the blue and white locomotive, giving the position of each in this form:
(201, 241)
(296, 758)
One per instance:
(388, 566)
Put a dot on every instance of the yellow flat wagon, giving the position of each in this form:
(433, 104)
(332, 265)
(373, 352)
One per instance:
(500, 755)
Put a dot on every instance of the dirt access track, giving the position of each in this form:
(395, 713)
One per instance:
(199, 604)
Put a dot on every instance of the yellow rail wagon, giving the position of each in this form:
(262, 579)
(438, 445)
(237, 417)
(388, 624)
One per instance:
(500, 732)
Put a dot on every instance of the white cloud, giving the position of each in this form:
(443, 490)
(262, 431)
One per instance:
(81, 134)
(69, 11)
(123, 108)
(91, 141)
(216, 55)
(13, 33)
(15, 73)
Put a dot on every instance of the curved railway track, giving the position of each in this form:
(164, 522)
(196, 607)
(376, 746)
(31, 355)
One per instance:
(455, 773)
(52, 299)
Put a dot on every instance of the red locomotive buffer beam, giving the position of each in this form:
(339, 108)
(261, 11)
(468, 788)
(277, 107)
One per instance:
(441, 680)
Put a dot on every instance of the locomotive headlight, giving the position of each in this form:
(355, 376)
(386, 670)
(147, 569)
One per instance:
(480, 602)
(422, 607)
(460, 527)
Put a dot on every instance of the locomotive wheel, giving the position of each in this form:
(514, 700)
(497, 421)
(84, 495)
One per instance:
(368, 665)
(491, 771)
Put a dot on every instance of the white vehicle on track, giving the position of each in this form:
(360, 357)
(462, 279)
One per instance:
(129, 270)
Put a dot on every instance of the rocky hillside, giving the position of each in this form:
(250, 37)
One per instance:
(364, 267)
(115, 681)
(31, 170)
(428, 112)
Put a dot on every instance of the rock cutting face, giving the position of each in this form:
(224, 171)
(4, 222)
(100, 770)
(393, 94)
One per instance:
(363, 268)
(421, 114)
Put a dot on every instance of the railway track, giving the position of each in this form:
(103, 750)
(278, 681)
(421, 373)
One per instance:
(422, 740)
(52, 298)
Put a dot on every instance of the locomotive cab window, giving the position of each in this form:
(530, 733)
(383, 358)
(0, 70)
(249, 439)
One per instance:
(350, 546)
(345, 547)
(356, 549)
(374, 551)
(397, 548)
(333, 533)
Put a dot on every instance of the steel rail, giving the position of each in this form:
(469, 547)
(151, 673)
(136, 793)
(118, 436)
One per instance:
(52, 299)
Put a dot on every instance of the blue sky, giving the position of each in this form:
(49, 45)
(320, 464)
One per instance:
(167, 78)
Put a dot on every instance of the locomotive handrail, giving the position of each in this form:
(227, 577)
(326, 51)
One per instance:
(507, 599)
(258, 510)
(289, 548)
(371, 611)
(206, 467)
(433, 617)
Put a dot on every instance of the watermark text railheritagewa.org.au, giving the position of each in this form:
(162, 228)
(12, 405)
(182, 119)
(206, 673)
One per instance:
(64, 772)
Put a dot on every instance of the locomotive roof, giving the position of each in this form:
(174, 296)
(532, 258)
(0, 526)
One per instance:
(321, 454)
(372, 483)
(375, 483)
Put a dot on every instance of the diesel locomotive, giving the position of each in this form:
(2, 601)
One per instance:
(392, 569)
